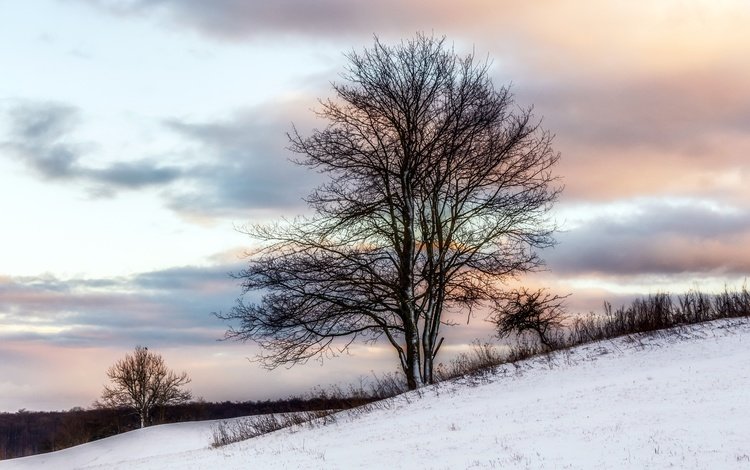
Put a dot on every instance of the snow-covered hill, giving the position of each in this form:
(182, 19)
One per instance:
(680, 401)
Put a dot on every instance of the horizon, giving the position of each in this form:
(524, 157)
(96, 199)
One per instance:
(136, 136)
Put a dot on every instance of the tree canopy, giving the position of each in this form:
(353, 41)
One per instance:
(439, 190)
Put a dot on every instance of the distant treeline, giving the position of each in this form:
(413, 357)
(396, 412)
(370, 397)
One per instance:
(33, 432)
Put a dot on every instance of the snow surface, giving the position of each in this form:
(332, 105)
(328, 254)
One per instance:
(680, 401)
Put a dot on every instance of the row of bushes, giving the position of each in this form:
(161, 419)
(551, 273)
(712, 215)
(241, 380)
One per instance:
(538, 324)
(657, 312)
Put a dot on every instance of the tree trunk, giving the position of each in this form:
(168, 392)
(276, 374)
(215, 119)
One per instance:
(406, 283)
(414, 367)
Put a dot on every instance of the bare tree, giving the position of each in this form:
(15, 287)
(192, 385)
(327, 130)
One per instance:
(142, 381)
(536, 311)
(439, 190)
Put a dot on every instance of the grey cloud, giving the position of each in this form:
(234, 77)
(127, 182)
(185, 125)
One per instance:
(243, 166)
(37, 135)
(169, 307)
(42, 135)
(695, 221)
(134, 174)
(658, 239)
(251, 168)
(186, 278)
(43, 122)
(240, 19)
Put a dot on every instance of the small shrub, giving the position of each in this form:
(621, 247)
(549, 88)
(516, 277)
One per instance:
(538, 312)
(481, 358)
(523, 349)
(228, 432)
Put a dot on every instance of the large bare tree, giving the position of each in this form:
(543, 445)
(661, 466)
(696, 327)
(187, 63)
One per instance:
(439, 190)
(142, 381)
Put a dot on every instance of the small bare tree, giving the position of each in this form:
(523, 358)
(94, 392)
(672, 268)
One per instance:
(535, 311)
(141, 381)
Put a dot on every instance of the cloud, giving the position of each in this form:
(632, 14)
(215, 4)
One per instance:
(657, 238)
(250, 165)
(169, 307)
(562, 33)
(42, 135)
(645, 99)
(243, 164)
(38, 132)
(672, 111)
(662, 133)
(236, 19)
(133, 174)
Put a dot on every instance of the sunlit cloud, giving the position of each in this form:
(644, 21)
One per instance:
(234, 20)
(631, 29)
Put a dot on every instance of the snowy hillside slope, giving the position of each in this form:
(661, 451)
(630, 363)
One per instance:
(679, 401)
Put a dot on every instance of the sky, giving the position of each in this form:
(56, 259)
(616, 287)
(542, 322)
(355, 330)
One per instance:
(138, 136)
